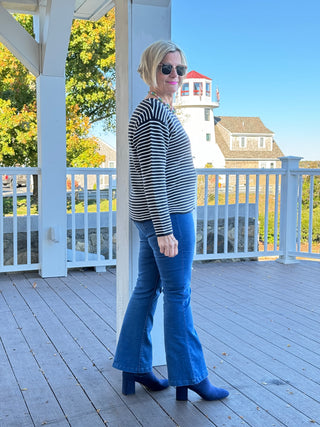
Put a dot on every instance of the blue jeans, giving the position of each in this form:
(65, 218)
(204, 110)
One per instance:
(185, 361)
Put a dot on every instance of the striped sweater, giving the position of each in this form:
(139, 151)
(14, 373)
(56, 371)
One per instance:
(162, 175)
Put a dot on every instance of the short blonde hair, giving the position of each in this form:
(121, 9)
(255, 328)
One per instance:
(152, 57)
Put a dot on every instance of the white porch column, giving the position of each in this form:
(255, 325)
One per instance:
(52, 28)
(138, 24)
(288, 209)
(52, 182)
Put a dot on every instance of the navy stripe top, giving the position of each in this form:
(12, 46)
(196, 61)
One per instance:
(162, 175)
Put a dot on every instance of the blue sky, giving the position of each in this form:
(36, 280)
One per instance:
(264, 55)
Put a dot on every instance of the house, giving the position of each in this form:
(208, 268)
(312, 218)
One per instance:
(245, 142)
(109, 153)
(222, 142)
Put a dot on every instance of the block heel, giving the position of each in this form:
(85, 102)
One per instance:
(204, 389)
(128, 383)
(148, 380)
(182, 393)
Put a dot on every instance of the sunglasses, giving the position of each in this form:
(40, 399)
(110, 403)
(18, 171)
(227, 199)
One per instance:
(167, 68)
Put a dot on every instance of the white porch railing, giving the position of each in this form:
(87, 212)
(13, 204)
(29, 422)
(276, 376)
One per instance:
(241, 213)
(18, 233)
(91, 218)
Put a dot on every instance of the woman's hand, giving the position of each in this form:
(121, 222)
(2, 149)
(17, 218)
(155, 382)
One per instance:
(168, 245)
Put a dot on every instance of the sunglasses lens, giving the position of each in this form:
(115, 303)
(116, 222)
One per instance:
(166, 69)
(181, 70)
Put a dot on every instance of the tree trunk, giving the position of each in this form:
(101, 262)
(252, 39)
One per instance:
(35, 187)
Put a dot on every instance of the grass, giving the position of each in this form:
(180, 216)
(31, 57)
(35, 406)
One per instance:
(79, 206)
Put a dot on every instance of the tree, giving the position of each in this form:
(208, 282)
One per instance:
(82, 151)
(18, 135)
(90, 97)
(90, 69)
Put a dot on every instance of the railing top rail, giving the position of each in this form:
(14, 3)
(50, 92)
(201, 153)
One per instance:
(88, 171)
(11, 170)
(240, 171)
(305, 171)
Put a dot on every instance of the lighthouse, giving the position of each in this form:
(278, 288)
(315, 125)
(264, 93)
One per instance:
(195, 109)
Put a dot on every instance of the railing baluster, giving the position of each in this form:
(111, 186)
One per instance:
(226, 215)
(98, 213)
(256, 219)
(236, 216)
(216, 214)
(310, 213)
(28, 203)
(266, 214)
(300, 186)
(15, 222)
(205, 216)
(246, 223)
(110, 217)
(276, 213)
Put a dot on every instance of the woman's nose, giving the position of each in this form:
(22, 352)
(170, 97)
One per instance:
(173, 72)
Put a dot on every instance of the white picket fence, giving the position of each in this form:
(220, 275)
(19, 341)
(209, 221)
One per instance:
(241, 213)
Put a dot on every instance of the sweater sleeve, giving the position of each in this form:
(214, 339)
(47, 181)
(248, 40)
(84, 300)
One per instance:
(151, 143)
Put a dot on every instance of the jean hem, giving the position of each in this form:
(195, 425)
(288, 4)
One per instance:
(131, 369)
(193, 381)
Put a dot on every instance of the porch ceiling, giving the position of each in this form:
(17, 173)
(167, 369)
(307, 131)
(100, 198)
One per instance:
(84, 9)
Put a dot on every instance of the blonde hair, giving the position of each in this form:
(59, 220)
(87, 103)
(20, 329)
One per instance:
(152, 57)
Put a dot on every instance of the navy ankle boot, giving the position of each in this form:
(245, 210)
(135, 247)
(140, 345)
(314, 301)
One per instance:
(149, 380)
(204, 389)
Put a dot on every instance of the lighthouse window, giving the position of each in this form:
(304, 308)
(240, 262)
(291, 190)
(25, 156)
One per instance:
(197, 88)
(185, 89)
(208, 93)
(208, 136)
(207, 114)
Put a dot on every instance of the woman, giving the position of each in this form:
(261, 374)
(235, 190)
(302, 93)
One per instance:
(162, 198)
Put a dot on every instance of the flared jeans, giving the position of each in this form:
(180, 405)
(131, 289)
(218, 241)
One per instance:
(184, 355)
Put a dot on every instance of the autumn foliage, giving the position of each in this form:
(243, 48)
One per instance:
(90, 96)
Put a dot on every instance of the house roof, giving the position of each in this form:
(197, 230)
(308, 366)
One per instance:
(243, 124)
(196, 75)
(256, 127)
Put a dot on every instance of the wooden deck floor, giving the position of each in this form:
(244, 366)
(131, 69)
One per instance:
(259, 323)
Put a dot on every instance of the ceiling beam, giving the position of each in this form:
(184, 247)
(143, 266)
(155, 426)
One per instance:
(20, 43)
(20, 6)
(92, 10)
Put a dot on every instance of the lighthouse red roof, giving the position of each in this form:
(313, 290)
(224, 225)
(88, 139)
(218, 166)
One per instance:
(196, 75)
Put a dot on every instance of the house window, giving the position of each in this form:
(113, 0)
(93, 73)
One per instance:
(208, 136)
(263, 165)
(208, 92)
(272, 165)
(243, 142)
(261, 142)
(207, 114)
(197, 88)
(185, 89)
(111, 164)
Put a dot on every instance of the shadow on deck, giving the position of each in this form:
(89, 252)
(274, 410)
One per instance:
(259, 324)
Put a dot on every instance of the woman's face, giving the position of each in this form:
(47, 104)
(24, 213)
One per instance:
(167, 85)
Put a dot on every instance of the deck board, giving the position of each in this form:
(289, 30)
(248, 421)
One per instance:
(259, 324)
